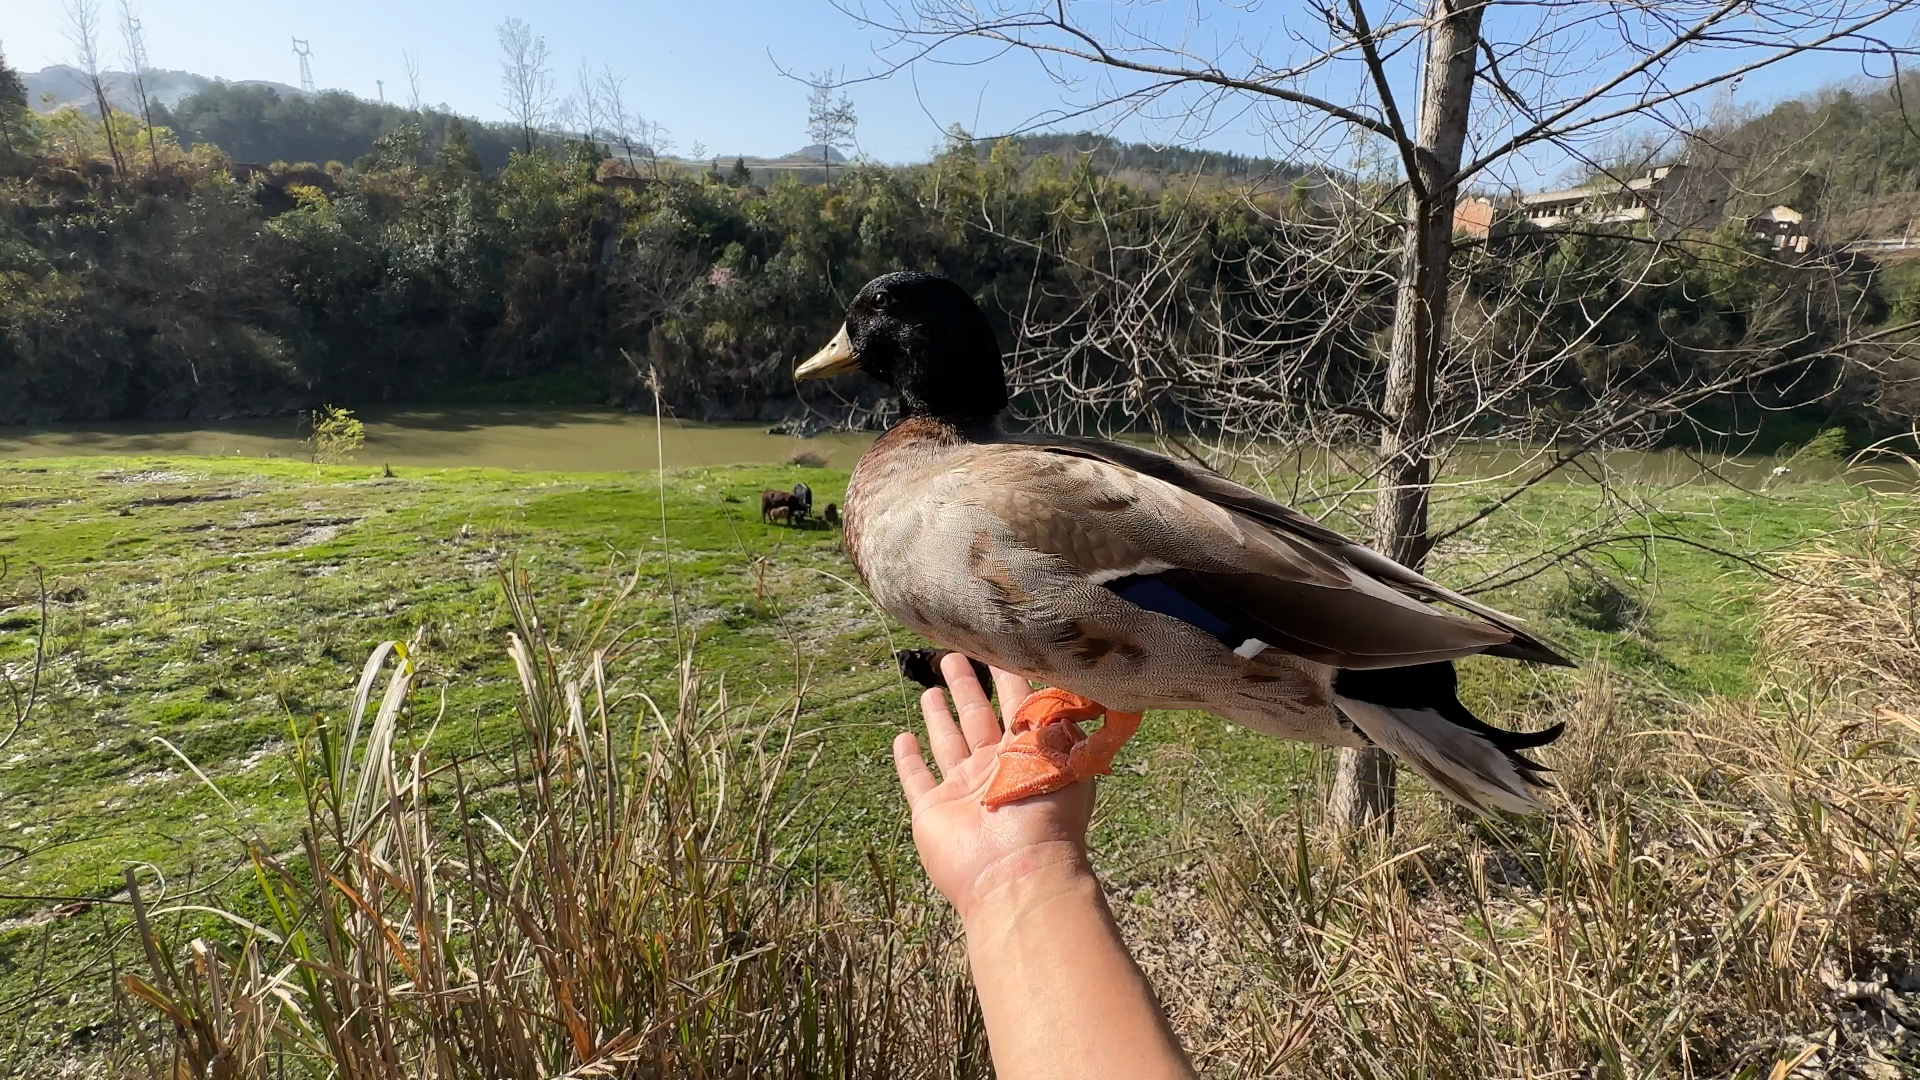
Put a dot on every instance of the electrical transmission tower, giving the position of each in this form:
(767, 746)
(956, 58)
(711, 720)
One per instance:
(136, 43)
(302, 50)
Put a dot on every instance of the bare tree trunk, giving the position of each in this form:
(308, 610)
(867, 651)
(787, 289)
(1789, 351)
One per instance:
(106, 125)
(83, 29)
(136, 44)
(1363, 782)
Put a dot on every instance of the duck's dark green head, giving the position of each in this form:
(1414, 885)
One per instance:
(925, 337)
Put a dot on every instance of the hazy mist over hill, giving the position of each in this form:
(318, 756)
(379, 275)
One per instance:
(60, 85)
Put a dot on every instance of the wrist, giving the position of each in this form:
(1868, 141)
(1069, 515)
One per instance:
(1019, 882)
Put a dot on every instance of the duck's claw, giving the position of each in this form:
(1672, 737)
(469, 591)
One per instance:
(1048, 750)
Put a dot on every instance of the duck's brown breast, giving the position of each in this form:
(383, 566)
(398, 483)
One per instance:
(888, 473)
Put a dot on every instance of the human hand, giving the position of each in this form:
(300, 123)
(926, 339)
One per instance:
(969, 850)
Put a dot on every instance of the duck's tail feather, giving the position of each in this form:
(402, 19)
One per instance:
(1415, 714)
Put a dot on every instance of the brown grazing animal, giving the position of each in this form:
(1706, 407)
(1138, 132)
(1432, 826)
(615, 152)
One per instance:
(831, 516)
(780, 514)
(771, 500)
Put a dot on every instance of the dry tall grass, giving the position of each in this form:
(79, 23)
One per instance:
(1724, 889)
(618, 906)
(1727, 889)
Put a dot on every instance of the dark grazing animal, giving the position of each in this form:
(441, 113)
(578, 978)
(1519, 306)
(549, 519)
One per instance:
(803, 501)
(831, 516)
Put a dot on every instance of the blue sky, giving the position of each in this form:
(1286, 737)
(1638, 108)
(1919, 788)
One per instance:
(709, 70)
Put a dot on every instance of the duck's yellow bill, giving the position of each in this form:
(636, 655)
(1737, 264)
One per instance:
(835, 359)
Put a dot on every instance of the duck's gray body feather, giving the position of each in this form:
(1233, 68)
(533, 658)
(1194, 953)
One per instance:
(1001, 547)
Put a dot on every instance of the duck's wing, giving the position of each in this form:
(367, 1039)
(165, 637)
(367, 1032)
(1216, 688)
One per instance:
(1164, 534)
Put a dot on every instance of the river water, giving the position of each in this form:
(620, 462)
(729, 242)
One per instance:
(604, 440)
(571, 440)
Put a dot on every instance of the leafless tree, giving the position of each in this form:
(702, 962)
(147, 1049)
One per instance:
(641, 142)
(1358, 326)
(526, 77)
(82, 27)
(412, 63)
(583, 106)
(134, 41)
(624, 129)
(830, 121)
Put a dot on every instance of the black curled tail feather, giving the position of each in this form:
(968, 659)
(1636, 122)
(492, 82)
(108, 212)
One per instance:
(923, 667)
(1416, 712)
(1436, 687)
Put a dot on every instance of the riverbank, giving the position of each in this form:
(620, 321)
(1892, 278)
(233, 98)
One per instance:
(206, 610)
(549, 438)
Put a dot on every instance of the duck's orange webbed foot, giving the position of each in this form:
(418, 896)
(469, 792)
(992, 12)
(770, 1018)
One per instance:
(1049, 751)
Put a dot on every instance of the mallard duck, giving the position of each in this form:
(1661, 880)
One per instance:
(1128, 581)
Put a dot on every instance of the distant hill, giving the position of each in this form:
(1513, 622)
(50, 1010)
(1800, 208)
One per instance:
(809, 154)
(61, 85)
(798, 162)
(258, 122)
(1110, 154)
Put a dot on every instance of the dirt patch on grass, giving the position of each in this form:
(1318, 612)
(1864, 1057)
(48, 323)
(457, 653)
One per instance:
(318, 531)
(189, 497)
(147, 476)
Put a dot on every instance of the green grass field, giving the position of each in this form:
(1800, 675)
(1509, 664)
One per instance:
(203, 610)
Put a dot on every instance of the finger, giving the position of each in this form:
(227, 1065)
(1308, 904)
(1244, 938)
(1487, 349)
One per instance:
(943, 736)
(977, 722)
(915, 778)
(1012, 690)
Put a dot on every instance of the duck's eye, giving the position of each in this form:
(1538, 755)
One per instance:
(881, 301)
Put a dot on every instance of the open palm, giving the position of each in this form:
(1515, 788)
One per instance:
(964, 845)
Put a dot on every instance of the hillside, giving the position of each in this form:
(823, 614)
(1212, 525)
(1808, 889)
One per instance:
(1109, 155)
(61, 85)
(424, 260)
(1848, 155)
(260, 122)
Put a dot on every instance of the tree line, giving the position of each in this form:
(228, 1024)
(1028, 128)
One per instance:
(420, 257)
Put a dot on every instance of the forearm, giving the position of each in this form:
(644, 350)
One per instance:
(1060, 994)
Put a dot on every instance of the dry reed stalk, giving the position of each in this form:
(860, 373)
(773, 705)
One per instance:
(623, 903)
(1715, 883)
(1849, 613)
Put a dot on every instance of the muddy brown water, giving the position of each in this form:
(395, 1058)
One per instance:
(564, 440)
(597, 440)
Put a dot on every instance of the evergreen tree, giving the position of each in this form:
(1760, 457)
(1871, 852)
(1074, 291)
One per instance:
(13, 108)
(13, 89)
(740, 176)
(456, 150)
